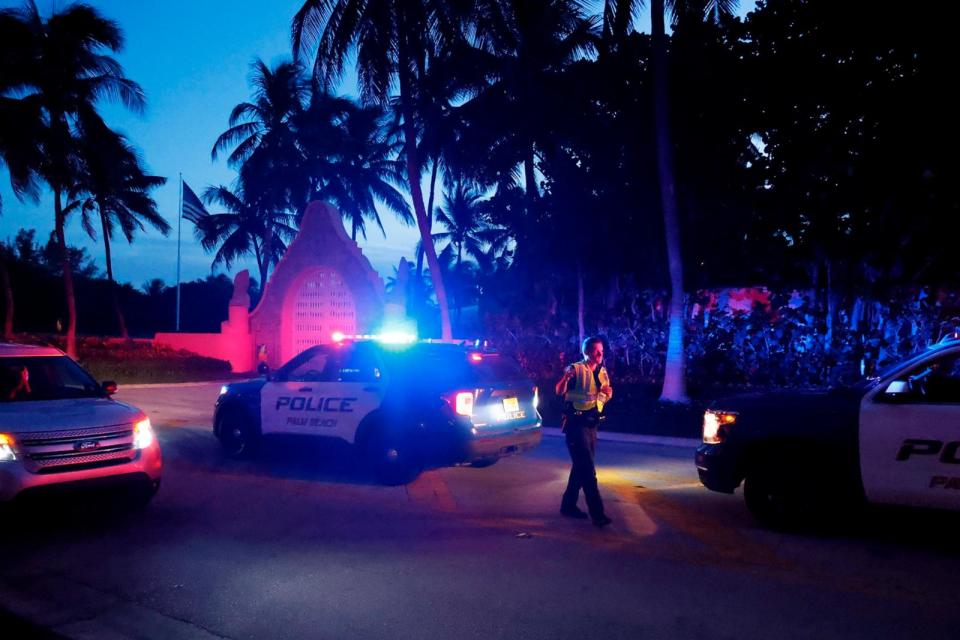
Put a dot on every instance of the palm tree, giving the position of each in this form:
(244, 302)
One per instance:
(520, 50)
(393, 40)
(467, 227)
(243, 230)
(263, 145)
(67, 71)
(266, 123)
(363, 170)
(618, 17)
(115, 186)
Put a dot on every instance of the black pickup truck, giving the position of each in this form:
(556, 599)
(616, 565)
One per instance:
(892, 439)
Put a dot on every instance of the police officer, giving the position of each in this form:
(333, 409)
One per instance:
(585, 387)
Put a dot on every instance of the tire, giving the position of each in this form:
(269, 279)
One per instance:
(393, 457)
(483, 463)
(774, 499)
(237, 435)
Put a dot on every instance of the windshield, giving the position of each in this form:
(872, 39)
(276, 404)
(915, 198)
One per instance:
(890, 369)
(44, 378)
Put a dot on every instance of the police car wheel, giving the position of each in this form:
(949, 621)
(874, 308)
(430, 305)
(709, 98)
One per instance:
(394, 459)
(236, 435)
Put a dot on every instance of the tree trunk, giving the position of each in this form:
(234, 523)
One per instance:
(831, 306)
(416, 193)
(417, 290)
(8, 302)
(121, 321)
(674, 376)
(262, 266)
(67, 275)
(580, 304)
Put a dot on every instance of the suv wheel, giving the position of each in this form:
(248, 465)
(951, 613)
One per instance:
(236, 434)
(394, 459)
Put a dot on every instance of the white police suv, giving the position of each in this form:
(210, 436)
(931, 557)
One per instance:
(893, 439)
(406, 405)
(59, 427)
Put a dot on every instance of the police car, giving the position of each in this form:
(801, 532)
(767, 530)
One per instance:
(893, 439)
(59, 427)
(406, 405)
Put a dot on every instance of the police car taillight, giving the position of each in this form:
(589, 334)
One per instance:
(716, 425)
(462, 402)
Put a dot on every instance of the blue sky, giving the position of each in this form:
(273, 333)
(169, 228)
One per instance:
(192, 59)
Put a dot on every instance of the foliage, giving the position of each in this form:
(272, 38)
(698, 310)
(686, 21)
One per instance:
(784, 345)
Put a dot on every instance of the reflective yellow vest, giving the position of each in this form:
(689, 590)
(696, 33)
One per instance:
(582, 389)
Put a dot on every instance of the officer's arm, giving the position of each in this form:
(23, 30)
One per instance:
(561, 386)
(607, 387)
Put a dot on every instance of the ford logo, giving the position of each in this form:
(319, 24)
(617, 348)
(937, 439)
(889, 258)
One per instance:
(86, 445)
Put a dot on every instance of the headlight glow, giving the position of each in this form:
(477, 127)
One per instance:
(716, 425)
(223, 389)
(6, 448)
(536, 397)
(142, 434)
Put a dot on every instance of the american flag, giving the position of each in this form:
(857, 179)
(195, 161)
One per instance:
(192, 207)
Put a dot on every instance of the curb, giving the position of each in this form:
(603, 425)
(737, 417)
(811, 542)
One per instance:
(634, 438)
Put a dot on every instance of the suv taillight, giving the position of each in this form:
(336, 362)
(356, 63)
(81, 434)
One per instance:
(462, 402)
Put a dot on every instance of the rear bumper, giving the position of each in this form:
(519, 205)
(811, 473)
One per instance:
(501, 444)
(146, 466)
(716, 468)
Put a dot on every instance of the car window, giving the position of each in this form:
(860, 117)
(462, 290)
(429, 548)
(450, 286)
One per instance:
(936, 381)
(310, 369)
(45, 378)
(451, 366)
(353, 364)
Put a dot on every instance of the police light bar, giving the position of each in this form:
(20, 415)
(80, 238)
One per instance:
(388, 337)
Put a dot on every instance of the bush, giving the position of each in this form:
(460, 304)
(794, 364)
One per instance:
(138, 361)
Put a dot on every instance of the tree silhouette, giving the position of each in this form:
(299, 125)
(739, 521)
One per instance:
(393, 40)
(65, 74)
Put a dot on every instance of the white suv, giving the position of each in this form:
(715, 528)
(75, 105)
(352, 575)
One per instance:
(59, 426)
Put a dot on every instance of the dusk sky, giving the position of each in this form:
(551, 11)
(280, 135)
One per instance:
(192, 60)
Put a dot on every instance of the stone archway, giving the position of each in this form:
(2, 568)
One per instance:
(323, 284)
(318, 304)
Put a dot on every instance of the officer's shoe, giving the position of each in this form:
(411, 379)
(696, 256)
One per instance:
(601, 522)
(573, 512)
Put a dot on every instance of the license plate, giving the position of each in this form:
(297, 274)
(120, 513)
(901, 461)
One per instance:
(511, 405)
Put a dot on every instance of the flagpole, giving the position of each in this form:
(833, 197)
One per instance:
(179, 224)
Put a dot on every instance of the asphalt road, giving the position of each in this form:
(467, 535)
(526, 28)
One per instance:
(298, 543)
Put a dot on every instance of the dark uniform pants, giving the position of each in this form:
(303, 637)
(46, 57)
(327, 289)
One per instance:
(581, 435)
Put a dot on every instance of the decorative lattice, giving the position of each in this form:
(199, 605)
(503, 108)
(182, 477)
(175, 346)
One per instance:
(322, 306)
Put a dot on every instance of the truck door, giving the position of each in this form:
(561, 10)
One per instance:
(910, 436)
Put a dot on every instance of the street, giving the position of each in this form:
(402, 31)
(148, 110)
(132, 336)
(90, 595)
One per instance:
(297, 543)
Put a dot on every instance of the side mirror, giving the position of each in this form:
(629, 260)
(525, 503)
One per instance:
(109, 387)
(263, 369)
